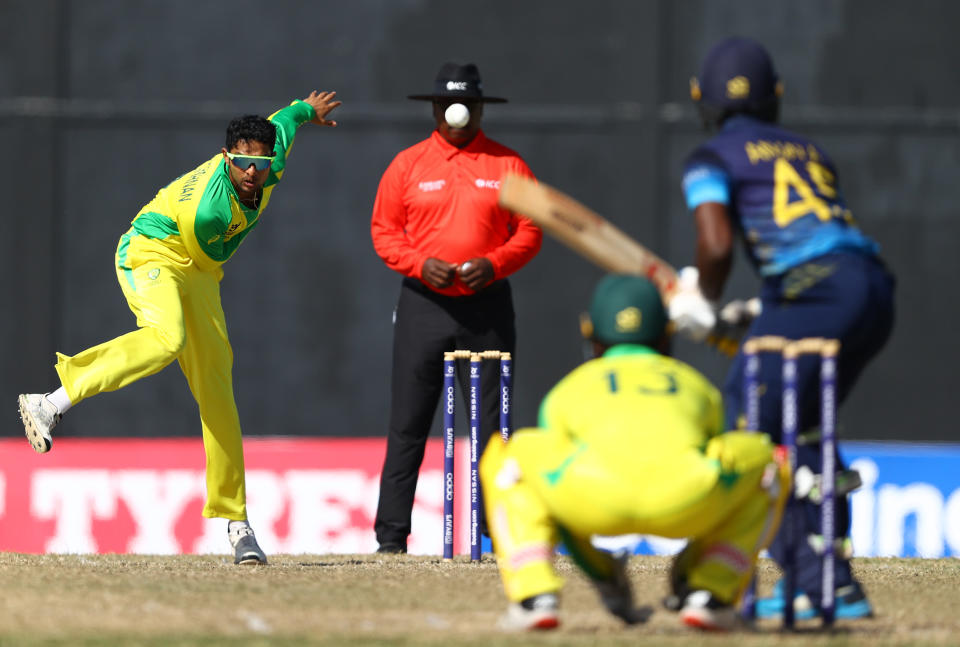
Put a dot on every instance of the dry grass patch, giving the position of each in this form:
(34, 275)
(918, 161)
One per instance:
(401, 600)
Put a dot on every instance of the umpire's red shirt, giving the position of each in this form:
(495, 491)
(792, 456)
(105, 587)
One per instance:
(439, 200)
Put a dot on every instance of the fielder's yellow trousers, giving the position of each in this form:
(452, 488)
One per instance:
(542, 487)
(179, 317)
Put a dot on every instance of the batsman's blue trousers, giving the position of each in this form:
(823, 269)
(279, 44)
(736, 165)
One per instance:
(843, 296)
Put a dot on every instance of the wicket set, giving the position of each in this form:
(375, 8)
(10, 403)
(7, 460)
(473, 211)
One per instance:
(790, 351)
(449, 391)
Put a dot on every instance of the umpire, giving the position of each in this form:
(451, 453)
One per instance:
(436, 221)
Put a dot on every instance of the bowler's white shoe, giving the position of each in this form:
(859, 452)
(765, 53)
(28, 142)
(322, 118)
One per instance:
(39, 416)
(244, 543)
(534, 613)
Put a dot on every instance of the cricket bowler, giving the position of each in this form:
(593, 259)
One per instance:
(169, 265)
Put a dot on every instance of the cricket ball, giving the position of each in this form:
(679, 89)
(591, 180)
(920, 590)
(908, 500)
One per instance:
(457, 115)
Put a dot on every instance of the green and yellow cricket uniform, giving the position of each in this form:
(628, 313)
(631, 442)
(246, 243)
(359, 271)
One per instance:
(169, 267)
(630, 443)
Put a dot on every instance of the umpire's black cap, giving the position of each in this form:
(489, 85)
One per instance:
(456, 81)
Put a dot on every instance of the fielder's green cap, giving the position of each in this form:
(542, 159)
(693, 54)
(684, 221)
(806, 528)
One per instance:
(627, 310)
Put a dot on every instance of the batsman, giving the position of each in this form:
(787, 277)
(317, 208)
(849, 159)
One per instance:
(822, 276)
(631, 442)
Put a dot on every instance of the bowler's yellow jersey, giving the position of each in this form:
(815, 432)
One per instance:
(200, 216)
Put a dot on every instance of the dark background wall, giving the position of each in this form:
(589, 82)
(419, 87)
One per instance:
(103, 102)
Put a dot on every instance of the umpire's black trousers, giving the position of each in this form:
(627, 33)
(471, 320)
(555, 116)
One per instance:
(425, 325)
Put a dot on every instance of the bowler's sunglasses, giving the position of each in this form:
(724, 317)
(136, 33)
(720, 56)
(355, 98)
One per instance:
(243, 162)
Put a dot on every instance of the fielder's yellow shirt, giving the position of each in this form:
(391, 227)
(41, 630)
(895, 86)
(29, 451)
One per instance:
(644, 416)
(200, 215)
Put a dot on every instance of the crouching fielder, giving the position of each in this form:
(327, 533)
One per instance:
(630, 442)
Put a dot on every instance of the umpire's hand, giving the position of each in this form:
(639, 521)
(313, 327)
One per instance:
(439, 274)
(476, 272)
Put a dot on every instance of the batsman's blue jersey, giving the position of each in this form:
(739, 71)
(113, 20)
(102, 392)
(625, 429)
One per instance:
(781, 191)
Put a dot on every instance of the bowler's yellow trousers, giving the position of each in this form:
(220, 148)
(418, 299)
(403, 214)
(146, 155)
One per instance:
(542, 487)
(179, 317)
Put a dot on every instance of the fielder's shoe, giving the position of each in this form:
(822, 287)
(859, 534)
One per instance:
(703, 611)
(39, 416)
(244, 543)
(850, 603)
(617, 597)
(535, 613)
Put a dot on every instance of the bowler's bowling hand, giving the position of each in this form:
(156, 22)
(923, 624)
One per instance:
(438, 273)
(322, 103)
(476, 272)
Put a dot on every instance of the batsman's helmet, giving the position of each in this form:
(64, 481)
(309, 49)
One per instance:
(626, 309)
(737, 76)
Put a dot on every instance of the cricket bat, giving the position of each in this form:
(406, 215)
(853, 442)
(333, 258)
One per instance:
(585, 231)
(596, 239)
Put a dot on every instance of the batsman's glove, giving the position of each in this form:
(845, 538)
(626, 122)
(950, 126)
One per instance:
(691, 314)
